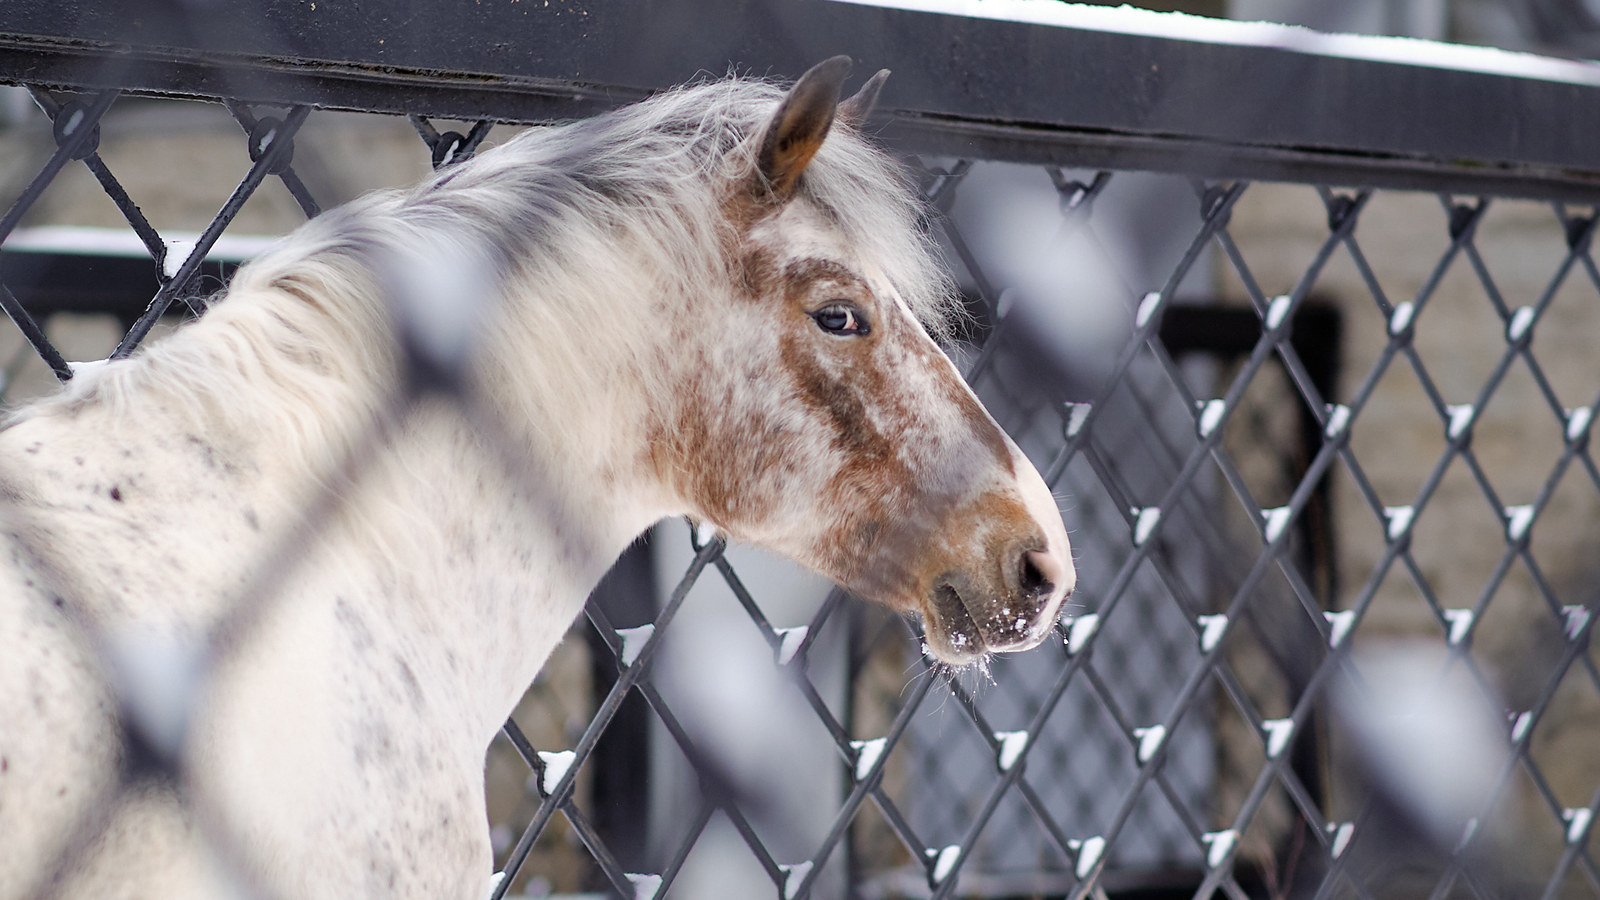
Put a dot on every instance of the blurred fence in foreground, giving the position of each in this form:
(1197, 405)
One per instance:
(1317, 404)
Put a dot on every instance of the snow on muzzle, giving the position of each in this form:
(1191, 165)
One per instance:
(1009, 605)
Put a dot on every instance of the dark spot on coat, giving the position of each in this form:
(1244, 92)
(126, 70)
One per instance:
(413, 686)
(757, 273)
(867, 531)
(208, 453)
(116, 493)
(5, 765)
(345, 614)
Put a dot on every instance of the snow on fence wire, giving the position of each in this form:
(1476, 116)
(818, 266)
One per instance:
(1325, 452)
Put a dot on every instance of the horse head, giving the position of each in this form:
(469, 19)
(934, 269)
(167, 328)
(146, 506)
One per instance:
(827, 424)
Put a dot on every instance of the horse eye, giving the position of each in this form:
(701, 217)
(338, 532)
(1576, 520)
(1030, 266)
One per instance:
(840, 318)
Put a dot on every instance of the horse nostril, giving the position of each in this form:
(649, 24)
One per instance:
(1032, 580)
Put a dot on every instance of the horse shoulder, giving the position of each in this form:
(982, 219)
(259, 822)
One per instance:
(325, 744)
(57, 755)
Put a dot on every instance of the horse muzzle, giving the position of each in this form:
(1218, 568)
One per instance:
(1008, 606)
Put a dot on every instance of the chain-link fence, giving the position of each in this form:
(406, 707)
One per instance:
(1324, 454)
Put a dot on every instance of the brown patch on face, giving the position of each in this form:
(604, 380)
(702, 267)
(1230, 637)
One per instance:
(729, 463)
(878, 517)
(801, 278)
(866, 532)
(757, 273)
(851, 505)
(854, 431)
(754, 271)
(745, 203)
(869, 416)
(871, 477)
(885, 514)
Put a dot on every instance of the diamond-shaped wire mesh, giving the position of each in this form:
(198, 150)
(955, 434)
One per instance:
(1289, 426)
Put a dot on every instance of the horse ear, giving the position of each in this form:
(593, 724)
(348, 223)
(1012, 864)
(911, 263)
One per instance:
(854, 111)
(797, 129)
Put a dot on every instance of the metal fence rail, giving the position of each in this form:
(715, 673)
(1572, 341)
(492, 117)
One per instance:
(1207, 721)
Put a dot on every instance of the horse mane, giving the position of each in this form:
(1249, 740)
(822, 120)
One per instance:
(644, 170)
(638, 177)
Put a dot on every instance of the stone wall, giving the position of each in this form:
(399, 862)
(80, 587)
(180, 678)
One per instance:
(1458, 538)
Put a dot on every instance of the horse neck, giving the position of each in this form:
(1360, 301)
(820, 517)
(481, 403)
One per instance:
(521, 493)
(471, 541)
(572, 381)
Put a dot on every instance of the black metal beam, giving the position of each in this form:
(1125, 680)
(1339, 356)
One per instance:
(47, 282)
(988, 88)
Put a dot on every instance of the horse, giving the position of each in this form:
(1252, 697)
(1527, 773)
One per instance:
(715, 303)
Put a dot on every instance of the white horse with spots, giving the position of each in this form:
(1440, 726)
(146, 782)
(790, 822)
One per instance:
(715, 303)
